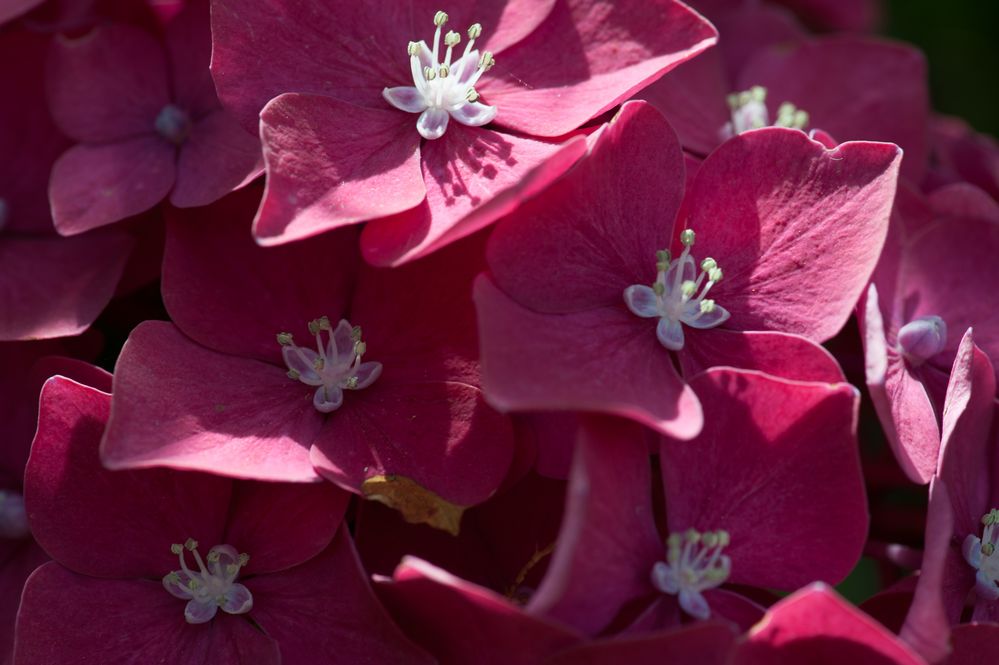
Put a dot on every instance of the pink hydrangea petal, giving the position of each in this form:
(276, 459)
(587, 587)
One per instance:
(54, 287)
(20, 560)
(277, 289)
(217, 157)
(182, 406)
(594, 233)
(81, 513)
(962, 199)
(608, 542)
(974, 643)
(785, 528)
(441, 435)
(330, 164)
(796, 228)
(817, 625)
(13, 8)
(94, 185)
(189, 46)
(281, 525)
(586, 58)
(467, 616)
(90, 616)
(547, 362)
(473, 176)
(854, 87)
(696, 644)
(314, 48)
(325, 606)
(785, 355)
(107, 84)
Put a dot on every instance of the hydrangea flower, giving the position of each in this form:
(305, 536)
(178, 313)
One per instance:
(402, 96)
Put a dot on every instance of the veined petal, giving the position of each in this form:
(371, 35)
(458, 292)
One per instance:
(474, 114)
(367, 373)
(341, 344)
(664, 579)
(694, 318)
(432, 123)
(670, 334)
(198, 612)
(238, 600)
(301, 360)
(327, 400)
(693, 603)
(405, 98)
(641, 300)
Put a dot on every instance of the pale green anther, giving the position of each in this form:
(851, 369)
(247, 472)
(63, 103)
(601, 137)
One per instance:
(715, 275)
(193, 584)
(324, 323)
(708, 264)
(474, 31)
(293, 374)
(988, 549)
(231, 569)
(733, 101)
(687, 237)
(452, 39)
(692, 536)
(284, 339)
(758, 93)
(688, 288)
(176, 548)
(673, 540)
(314, 326)
(191, 544)
(440, 18)
(173, 578)
(318, 364)
(355, 333)
(707, 306)
(486, 61)
(360, 348)
(989, 518)
(659, 288)
(429, 73)
(445, 70)
(413, 48)
(663, 256)
(472, 95)
(710, 539)
(352, 383)
(244, 559)
(212, 557)
(723, 538)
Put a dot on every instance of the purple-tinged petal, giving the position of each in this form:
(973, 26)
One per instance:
(91, 617)
(324, 608)
(217, 157)
(698, 644)
(766, 443)
(854, 87)
(180, 405)
(54, 287)
(108, 84)
(11, 9)
(927, 626)
(966, 444)
(962, 199)
(189, 45)
(586, 58)
(103, 523)
(974, 644)
(474, 114)
(595, 232)
(816, 626)
(330, 164)
(20, 559)
(466, 617)
(473, 177)
(553, 362)
(432, 123)
(346, 51)
(797, 228)
(256, 293)
(405, 98)
(784, 355)
(94, 185)
(608, 543)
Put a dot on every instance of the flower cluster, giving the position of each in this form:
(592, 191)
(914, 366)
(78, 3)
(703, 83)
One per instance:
(519, 332)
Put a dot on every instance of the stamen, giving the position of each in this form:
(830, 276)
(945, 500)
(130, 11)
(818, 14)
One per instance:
(749, 111)
(674, 297)
(212, 587)
(694, 563)
(980, 553)
(444, 88)
(336, 364)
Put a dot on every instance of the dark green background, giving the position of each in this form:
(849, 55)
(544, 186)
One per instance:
(961, 42)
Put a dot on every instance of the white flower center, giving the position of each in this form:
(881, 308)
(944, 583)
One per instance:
(334, 366)
(211, 586)
(981, 554)
(443, 89)
(749, 111)
(678, 295)
(922, 338)
(173, 123)
(13, 517)
(694, 563)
